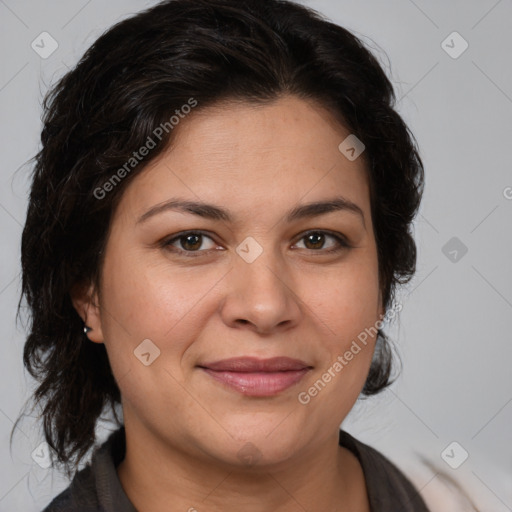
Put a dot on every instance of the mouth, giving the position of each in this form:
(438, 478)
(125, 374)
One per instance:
(257, 377)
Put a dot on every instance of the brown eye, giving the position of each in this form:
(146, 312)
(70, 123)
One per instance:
(188, 242)
(191, 242)
(315, 240)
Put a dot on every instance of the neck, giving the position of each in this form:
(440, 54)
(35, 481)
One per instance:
(323, 477)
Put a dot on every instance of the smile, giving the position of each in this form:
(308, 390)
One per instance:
(256, 377)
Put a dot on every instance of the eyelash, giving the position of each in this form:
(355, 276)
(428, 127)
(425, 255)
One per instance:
(167, 243)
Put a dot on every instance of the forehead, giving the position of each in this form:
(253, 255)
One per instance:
(249, 156)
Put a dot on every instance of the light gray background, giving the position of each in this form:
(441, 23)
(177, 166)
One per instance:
(454, 331)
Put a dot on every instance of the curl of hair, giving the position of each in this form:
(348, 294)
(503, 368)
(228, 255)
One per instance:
(130, 81)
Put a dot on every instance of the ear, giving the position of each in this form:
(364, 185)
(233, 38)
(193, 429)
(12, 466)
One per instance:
(86, 303)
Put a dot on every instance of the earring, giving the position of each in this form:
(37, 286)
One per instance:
(87, 329)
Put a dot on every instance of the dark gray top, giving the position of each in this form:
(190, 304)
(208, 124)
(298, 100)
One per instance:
(97, 488)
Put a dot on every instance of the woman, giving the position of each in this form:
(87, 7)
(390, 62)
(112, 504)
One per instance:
(219, 217)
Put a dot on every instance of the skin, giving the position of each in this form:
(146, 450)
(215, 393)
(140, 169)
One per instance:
(184, 430)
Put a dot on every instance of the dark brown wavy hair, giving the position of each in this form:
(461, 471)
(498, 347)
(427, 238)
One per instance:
(130, 81)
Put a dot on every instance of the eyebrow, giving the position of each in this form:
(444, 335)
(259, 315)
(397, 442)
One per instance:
(212, 212)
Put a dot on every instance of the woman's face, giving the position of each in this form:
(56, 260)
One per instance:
(267, 278)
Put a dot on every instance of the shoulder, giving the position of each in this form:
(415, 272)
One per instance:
(387, 486)
(91, 487)
(79, 496)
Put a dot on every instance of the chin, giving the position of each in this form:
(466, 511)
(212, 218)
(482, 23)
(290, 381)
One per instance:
(257, 446)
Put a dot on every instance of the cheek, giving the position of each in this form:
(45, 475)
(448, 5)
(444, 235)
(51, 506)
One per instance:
(347, 300)
(162, 303)
(346, 309)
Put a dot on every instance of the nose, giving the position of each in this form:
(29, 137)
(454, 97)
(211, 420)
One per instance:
(260, 296)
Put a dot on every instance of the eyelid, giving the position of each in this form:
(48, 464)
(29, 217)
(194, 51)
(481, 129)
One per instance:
(167, 242)
(343, 243)
(334, 234)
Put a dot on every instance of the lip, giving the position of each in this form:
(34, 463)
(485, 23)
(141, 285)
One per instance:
(251, 376)
(253, 364)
